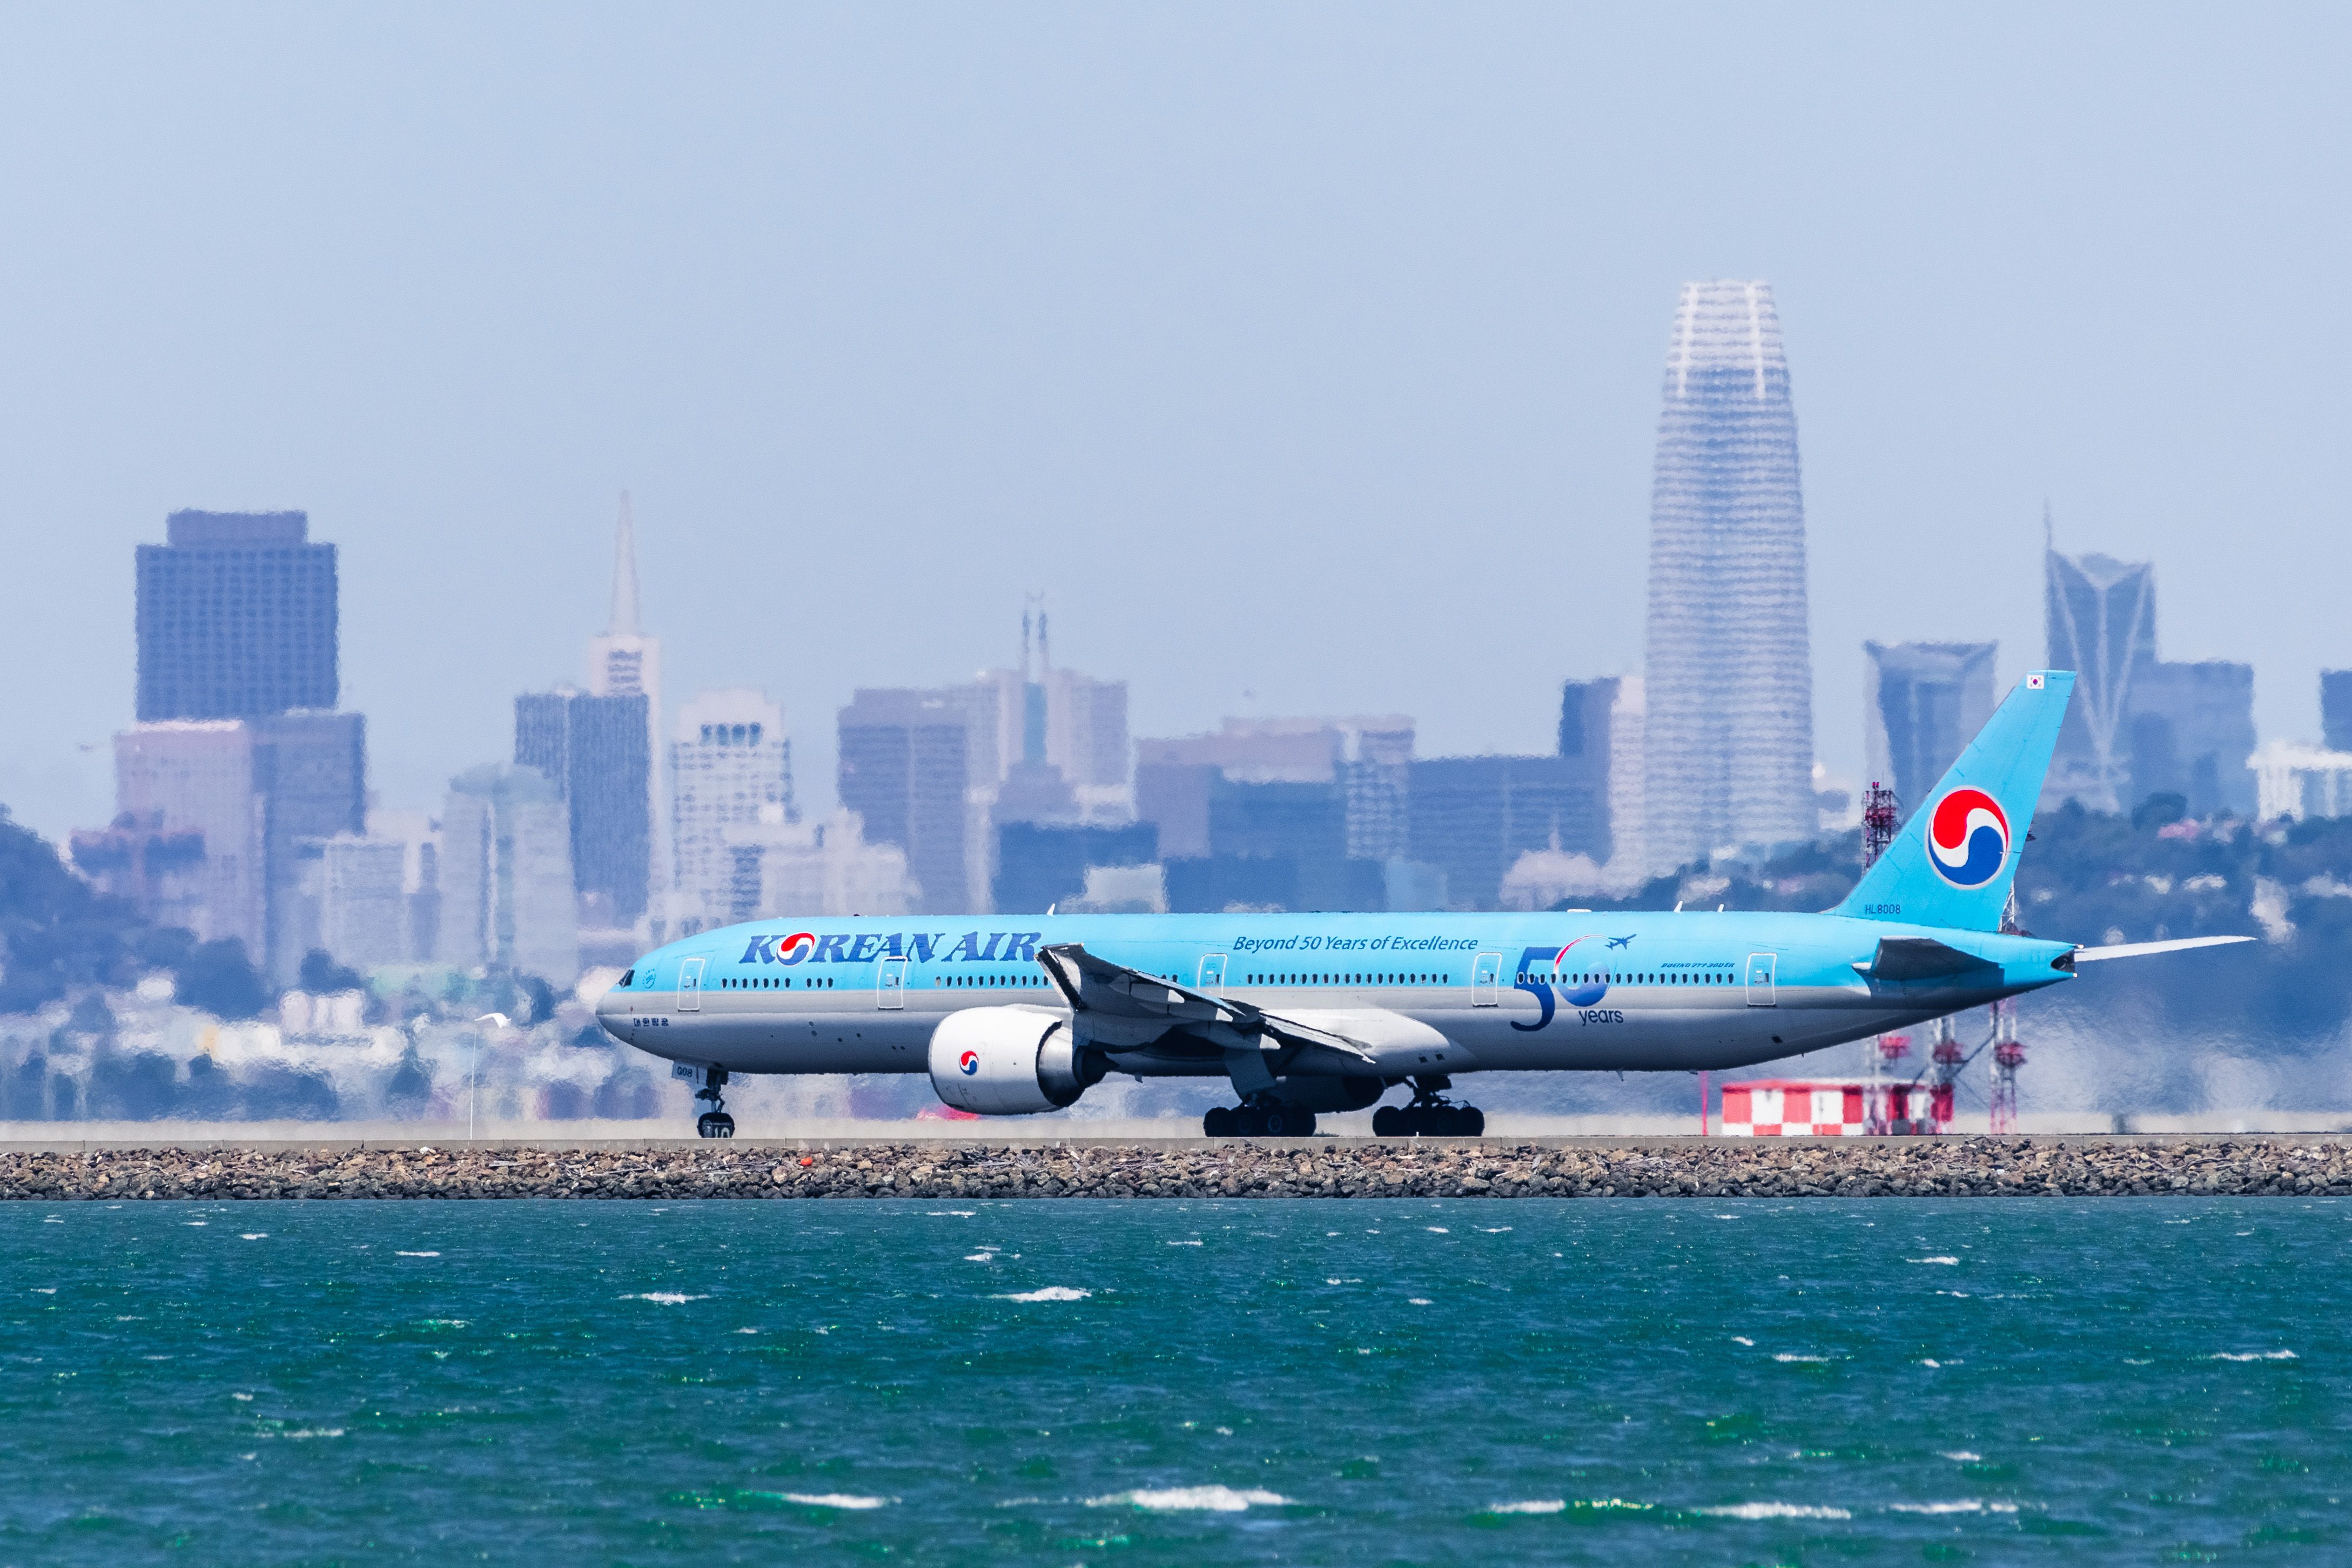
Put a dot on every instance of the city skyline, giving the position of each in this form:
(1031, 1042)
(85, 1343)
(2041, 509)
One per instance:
(1440, 354)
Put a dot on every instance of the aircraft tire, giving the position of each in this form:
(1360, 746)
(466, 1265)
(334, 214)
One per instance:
(1389, 1121)
(1218, 1122)
(715, 1124)
(1470, 1122)
(1249, 1121)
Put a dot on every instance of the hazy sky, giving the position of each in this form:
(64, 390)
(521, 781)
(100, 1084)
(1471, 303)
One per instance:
(1308, 357)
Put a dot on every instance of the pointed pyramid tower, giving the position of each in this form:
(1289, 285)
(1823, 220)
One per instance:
(624, 661)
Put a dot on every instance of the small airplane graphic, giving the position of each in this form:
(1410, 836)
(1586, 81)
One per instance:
(1621, 941)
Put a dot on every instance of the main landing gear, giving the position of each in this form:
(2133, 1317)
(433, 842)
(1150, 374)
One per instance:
(1259, 1115)
(1430, 1116)
(715, 1123)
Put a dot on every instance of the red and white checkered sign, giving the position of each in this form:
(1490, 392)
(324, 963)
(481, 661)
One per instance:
(1792, 1108)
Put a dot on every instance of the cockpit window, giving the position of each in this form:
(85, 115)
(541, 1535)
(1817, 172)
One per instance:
(629, 977)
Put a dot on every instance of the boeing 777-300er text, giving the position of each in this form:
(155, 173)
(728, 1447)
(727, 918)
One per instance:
(1306, 1013)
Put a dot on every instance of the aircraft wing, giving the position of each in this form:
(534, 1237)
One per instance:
(2142, 950)
(1125, 1009)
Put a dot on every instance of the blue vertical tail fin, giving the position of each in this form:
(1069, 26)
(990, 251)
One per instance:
(1953, 861)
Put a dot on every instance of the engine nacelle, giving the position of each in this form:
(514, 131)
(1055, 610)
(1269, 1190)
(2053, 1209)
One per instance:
(1009, 1061)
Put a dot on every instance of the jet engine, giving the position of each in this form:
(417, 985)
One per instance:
(1009, 1061)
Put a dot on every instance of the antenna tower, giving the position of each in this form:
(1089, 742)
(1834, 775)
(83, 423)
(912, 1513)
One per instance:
(1880, 817)
(2007, 1056)
(1878, 823)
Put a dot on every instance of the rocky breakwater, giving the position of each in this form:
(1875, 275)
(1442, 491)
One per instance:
(1923, 1167)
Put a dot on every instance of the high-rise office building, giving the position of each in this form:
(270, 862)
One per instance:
(236, 618)
(1366, 760)
(363, 908)
(312, 773)
(1597, 719)
(505, 875)
(2192, 735)
(1922, 703)
(730, 766)
(237, 626)
(1041, 714)
(1041, 866)
(625, 663)
(2100, 615)
(203, 776)
(594, 750)
(905, 768)
(1473, 816)
(2336, 709)
(816, 868)
(1728, 738)
(2140, 725)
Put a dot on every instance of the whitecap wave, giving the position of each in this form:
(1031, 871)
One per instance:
(1775, 1511)
(1931, 1259)
(1784, 1355)
(834, 1500)
(1549, 1505)
(416, 1254)
(2253, 1355)
(664, 1298)
(1961, 1456)
(1050, 1293)
(1179, 1499)
(252, 1236)
(1962, 1505)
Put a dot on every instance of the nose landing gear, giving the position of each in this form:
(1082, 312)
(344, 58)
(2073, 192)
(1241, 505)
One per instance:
(714, 1122)
(1430, 1114)
(1259, 1115)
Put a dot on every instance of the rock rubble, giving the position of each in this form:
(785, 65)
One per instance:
(1716, 1168)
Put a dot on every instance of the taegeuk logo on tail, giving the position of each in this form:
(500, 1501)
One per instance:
(1967, 838)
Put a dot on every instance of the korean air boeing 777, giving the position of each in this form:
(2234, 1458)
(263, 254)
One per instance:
(1306, 1013)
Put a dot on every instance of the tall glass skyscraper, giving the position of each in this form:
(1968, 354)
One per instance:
(1729, 744)
(236, 618)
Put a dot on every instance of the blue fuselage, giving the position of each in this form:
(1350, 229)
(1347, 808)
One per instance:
(1426, 993)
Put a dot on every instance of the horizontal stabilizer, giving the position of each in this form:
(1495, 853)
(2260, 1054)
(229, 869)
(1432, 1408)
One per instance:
(1918, 958)
(2142, 950)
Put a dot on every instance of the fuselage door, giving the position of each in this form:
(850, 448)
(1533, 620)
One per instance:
(689, 985)
(890, 987)
(1761, 968)
(1212, 973)
(1487, 980)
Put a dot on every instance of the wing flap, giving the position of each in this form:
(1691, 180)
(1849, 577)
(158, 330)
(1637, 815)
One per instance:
(1127, 1007)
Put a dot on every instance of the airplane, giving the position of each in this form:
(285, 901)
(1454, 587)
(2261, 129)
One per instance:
(1312, 1014)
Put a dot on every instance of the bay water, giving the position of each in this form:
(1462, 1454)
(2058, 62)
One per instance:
(1709, 1381)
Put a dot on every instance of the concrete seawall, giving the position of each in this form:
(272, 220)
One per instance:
(2288, 1166)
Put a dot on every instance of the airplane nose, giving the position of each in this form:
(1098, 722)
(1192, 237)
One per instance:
(613, 1012)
